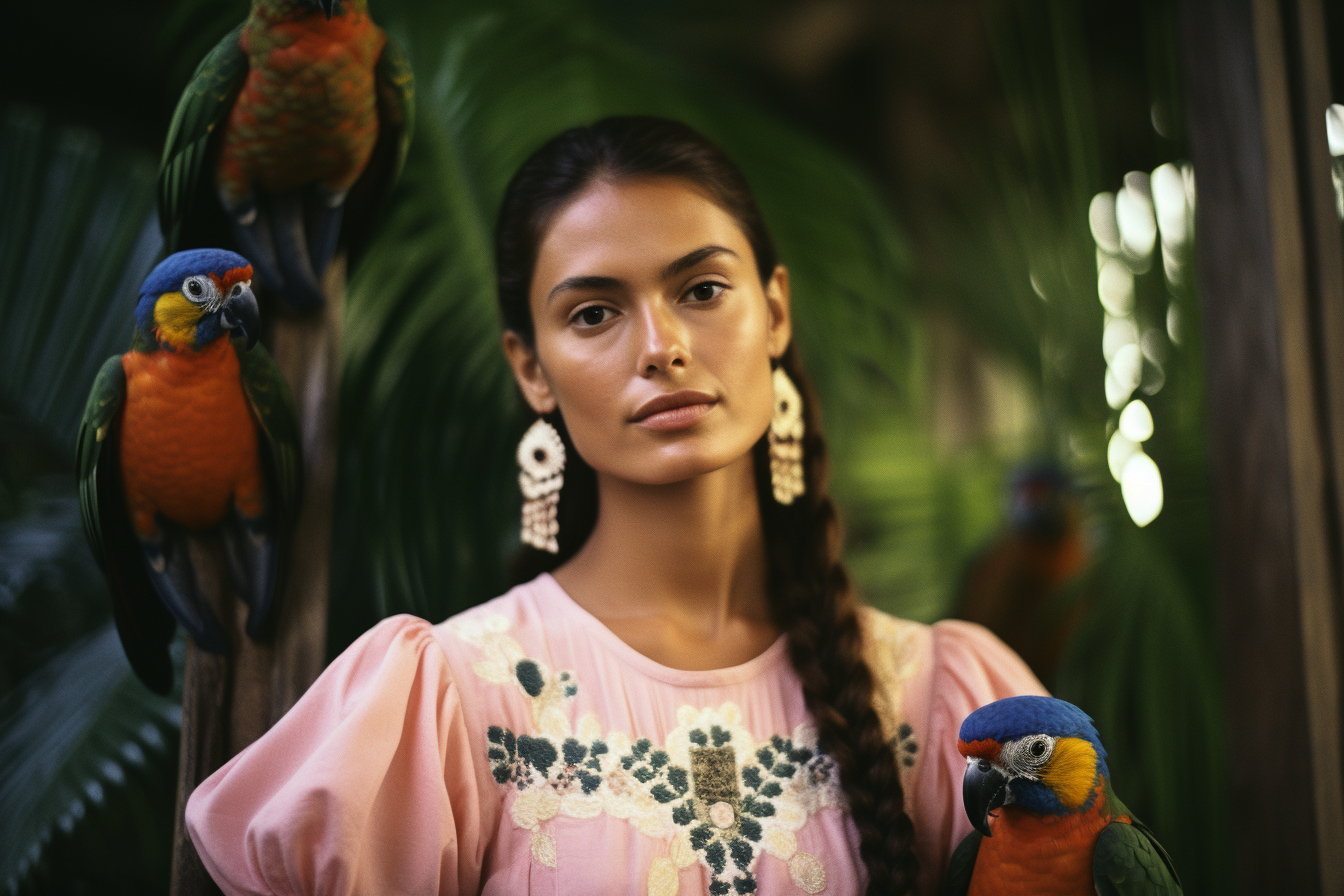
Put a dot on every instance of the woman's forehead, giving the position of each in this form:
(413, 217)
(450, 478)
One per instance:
(631, 227)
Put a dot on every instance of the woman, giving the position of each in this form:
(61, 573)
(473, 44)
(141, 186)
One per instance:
(689, 700)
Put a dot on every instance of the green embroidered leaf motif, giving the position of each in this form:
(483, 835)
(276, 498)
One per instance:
(716, 856)
(538, 752)
(574, 751)
(530, 677)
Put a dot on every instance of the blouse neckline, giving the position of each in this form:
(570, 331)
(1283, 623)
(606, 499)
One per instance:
(554, 595)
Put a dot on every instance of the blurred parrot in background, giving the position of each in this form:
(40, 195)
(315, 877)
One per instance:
(301, 112)
(192, 427)
(1059, 828)
(1013, 584)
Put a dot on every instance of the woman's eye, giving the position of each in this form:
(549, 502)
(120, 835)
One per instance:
(592, 315)
(704, 292)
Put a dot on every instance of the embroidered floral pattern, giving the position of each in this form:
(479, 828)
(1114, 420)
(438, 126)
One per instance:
(718, 796)
(890, 651)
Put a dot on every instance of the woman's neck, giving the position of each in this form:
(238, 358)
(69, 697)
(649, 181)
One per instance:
(679, 571)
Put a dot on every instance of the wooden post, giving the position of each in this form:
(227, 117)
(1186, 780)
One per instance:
(1272, 288)
(228, 702)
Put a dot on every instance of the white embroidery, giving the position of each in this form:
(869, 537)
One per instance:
(710, 789)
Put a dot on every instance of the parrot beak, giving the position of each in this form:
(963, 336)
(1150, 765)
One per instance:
(241, 313)
(983, 789)
(328, 6)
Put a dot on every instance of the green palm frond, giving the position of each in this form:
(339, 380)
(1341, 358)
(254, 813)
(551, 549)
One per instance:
(87, 754)
(83, 745)
(429, 413)
(80, 237)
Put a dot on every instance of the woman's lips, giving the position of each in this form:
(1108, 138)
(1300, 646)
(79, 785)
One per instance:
(675, 410)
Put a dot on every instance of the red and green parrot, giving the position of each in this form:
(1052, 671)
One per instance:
(1046, 821)
(299, 116)
(193, 427)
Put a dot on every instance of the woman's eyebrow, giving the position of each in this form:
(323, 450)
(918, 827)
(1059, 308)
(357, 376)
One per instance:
(584, 282)
(691, 259)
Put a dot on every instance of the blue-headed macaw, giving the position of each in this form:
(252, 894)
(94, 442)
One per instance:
(193, 427)
(1046, 821)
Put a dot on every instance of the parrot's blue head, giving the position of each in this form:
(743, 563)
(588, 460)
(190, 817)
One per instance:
(1035, 752)
(192, 298)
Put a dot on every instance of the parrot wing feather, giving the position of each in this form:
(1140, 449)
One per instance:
(394, 87)
(395, 83)
(144, 625)
(100, 412)
(259, 548)
(1130, 862)
(961, 865)
(277, 416)
(204, 105)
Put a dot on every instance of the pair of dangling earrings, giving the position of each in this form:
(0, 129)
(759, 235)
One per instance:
(541, 456)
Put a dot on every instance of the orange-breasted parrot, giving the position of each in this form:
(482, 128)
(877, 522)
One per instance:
(1046, 821)
(302, 111)
(1014, 586)
(192, 428)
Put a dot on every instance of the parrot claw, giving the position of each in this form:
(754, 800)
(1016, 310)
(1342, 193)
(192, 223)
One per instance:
(290, 239)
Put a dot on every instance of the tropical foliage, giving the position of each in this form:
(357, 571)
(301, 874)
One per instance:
(426, 505)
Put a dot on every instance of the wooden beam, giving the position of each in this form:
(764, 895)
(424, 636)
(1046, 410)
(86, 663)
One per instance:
(1276, 421)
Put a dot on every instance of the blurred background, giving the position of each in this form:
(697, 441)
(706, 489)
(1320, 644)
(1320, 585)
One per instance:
(988, 209)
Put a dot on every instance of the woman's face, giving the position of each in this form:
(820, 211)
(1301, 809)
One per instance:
(654, 334)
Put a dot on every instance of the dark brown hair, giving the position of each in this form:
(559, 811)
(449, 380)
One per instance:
(810, 592)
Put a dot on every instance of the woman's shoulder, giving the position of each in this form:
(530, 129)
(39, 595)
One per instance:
(966, 651)
(923, 672)
(516, 615)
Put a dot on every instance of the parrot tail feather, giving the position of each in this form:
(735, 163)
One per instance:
(254, 558)
(168, 562)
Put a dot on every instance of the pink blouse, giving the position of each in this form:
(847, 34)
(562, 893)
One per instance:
(522, 748)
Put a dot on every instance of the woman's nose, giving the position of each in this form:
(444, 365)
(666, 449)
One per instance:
(664, 343)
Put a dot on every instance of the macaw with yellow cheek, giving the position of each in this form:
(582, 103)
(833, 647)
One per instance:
(193, 427)
(1046, 821)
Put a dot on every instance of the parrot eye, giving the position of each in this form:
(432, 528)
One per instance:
(200, 290)
(1026, 756)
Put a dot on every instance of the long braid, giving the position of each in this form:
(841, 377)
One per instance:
(815, 606)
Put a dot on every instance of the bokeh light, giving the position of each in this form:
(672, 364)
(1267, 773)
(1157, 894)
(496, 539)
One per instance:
(1141, 486)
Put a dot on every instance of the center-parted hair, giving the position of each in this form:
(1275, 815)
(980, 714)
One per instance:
(809, 590)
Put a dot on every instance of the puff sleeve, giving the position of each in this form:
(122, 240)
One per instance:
(365, 786)
(969, 667)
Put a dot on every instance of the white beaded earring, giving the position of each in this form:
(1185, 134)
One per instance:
(541, 455)
(786, 440)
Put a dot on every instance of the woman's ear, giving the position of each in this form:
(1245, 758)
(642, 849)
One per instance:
(777, 303)
(527, 371)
